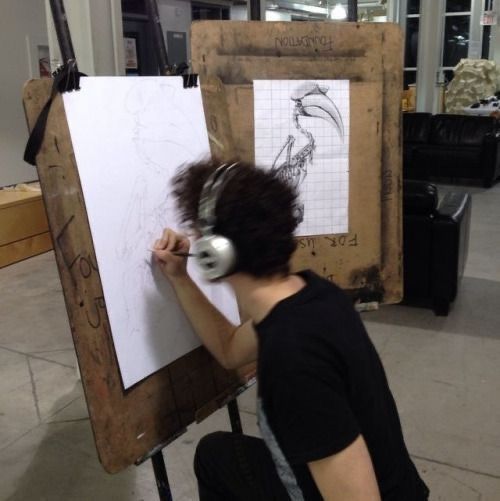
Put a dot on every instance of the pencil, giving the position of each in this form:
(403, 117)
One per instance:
(180, 254)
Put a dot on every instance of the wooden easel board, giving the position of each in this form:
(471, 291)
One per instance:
(127, 425)
(367, 261)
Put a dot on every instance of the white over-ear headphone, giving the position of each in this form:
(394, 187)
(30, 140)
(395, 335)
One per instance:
(215, 254)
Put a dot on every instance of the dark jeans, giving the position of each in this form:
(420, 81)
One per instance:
(231, 466)
(235, 467)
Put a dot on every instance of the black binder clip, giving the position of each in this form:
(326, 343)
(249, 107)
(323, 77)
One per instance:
(65, 79)
(190, 80)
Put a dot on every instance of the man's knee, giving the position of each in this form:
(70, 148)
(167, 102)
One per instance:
(209, 451)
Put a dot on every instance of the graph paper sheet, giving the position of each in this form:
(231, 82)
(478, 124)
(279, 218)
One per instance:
(302, 133)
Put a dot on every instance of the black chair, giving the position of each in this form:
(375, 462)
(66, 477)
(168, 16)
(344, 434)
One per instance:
(416, 131)
(435, 244)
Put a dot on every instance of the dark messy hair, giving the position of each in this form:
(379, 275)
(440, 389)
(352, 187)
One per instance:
(255, 210)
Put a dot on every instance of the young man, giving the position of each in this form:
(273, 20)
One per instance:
(328, 420)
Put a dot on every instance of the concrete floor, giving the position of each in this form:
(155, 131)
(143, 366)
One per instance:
(444, 372)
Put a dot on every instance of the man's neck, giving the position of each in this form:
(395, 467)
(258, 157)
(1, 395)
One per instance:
(257, 296)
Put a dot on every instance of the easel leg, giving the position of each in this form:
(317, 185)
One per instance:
(161, 477)
(234, 416)
(159, 462)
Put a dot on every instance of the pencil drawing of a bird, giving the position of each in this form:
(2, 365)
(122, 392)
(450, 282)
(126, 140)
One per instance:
(311, 100)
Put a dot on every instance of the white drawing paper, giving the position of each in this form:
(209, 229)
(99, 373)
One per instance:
(130, 136)
(302, 133)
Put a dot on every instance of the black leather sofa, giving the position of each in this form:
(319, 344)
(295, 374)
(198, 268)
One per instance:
(435, 244)
(451, 147)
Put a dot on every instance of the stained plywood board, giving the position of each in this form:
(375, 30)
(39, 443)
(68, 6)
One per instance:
(127, 425)
(22, 219)
(228, 56)
(25, 248)
(24, 230)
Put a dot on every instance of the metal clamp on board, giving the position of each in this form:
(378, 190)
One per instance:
(65, 79)
(189, 79)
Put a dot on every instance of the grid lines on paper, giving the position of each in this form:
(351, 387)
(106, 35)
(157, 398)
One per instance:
(324, 191)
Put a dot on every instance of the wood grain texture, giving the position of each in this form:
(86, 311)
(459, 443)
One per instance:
(9, 198)
(24, 230)
(127, 425)
(21, 217)
(367, 262)
(25, 248)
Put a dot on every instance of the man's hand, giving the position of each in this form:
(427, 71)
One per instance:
(172, 266)
(232, 346)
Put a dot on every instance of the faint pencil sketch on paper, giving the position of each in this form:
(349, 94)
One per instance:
(145, 217)
(311, 100)
(156, 126)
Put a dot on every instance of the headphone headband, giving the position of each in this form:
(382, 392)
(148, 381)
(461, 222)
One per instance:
(215, 254)
(209, 197)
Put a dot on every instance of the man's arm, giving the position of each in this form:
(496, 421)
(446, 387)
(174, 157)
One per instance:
(232, 346)
(346, 476)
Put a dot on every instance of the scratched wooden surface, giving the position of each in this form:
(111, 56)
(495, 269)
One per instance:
(127, 425)
(367, 262)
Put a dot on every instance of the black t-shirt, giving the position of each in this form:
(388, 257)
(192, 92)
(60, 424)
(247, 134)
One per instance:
(321, 384)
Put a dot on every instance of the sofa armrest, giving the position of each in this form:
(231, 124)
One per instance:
(490, 158)
(453, 206)
(496, 168)
(450, 244)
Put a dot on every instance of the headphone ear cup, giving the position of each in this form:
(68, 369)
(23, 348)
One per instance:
(215, 256)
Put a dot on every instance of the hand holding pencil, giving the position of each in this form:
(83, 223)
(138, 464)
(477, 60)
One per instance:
(170, 252)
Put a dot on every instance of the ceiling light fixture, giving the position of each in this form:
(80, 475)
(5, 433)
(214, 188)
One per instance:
(338, 12)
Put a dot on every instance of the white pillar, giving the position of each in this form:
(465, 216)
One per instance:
(476, 30)
(393, 11)
(494, 53)
(429, 54)
(97, 33)
(430, 49)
